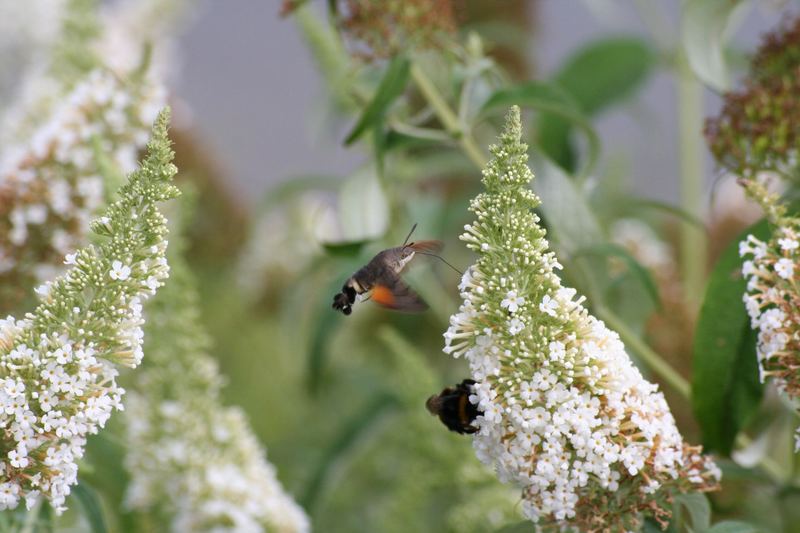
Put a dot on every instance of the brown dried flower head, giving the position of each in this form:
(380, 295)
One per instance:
(757, 129)
(381, 28)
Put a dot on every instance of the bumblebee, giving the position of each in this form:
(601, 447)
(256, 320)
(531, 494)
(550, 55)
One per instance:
(454, 409)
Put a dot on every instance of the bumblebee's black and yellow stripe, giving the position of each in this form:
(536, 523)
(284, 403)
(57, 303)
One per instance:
(454, 409)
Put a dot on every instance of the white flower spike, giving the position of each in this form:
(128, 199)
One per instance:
(771, 300)
(58, 364)
(566, 415)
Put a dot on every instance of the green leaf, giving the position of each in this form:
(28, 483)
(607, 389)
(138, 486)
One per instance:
(395, 140)
(92, 508)
(553, 102)
(634, 267)
(390, 88)
(360, 427)
(597, 76)
(324, 325)
(706, 27)
(698, 508)
(734, 526)
(725, 385)
(606, 72)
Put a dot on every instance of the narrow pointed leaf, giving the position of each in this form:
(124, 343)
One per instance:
(390, 88)
(725, 387)
(565, 206)
(697, 508)
(92, 507)
(325, 322)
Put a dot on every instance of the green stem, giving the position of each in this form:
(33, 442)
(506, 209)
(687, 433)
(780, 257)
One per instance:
(690, 127)
(447, 116)
(422, 133)
(649, 356)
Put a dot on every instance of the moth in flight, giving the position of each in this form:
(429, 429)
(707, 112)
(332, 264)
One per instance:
(381, 278)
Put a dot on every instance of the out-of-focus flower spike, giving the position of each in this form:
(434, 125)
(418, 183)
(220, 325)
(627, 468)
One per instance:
(51, 186)
(191, 458)
(772, 270)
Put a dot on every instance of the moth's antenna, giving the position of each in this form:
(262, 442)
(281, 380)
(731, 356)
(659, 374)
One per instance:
(441, 259)
(409, 233)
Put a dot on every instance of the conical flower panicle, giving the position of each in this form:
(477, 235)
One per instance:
(58, 364)
(566, 415)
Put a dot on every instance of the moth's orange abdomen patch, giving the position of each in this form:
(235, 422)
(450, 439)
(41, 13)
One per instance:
(383, 295)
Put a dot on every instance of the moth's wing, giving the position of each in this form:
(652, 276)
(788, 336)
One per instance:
(428, 247)
(392, 292)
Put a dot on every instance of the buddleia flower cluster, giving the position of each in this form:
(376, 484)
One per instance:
(772, 269)
(58, 364)
(381, 28)
(68, 141)
(566, 415)
(193, 462)
(51, 186)
(756, 128)
(773, 303)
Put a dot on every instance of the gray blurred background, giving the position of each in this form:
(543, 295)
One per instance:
(256, 98)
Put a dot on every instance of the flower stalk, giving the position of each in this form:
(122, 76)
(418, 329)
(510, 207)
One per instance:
(690, 125)
(449, 120)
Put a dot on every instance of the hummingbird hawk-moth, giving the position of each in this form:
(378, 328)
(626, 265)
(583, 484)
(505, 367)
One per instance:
(381, 279)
